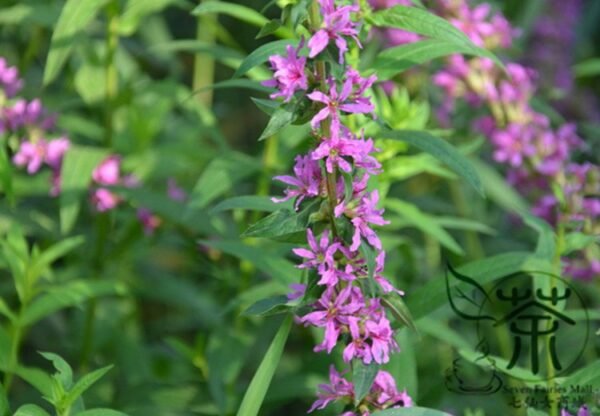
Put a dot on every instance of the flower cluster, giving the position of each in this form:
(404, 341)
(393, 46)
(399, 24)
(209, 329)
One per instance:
(538, 156)
(383, 394)
(345, 294)
(31, 128)
(582, 411)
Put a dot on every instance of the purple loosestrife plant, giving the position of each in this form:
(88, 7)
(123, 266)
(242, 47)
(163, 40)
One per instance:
(538, 157)
(345, 261)
(29, 129)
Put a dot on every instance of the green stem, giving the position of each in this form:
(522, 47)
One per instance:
(321, 71)
(553, 395)
(15, 346)
(204, 63)
(111, 75)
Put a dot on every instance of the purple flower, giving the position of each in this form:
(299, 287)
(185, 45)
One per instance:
(104, 200)
(9, 79)
(583, 411)
(338, 388)
(358, 346)
(175, 192)
(513, 144)
(345, 101)
(382, 339)
(108, 172)
(330, 312)
(31, 154)
(337, 23)
(366, 213)
(307, 181)
(386, 393)
(150, 222)
(289, 73)
(297, 292)
(55, 150)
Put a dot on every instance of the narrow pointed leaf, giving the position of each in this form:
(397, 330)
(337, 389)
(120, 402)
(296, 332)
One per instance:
(255, 395)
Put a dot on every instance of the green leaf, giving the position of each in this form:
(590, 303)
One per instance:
(6, 311)
(67, 295)
(546, 244)
(76, 15)
(259, 385)
(363, 377)
(535, 412)
(277, 267)
(420, 21)
(37, 378)
(410, 411)
(464, 224)
(220, 175)
(424, 222)
(243, 13)
(432, 295)
(235, 83)
(261, 54)
(269, 28)
(136, 10)
(101, 412)
(247, 202)
(283, 223)
(395, 304)
(578, 241)
(64, 372)
(53, 253)
(76, 176)
(31, 410)
(498, 190)
(82, 385)
(282, 117)
(4, 405)
(588, 375)
(6, 174)
(440, 149)
(267, 305)
(395, 60)
(587, 68)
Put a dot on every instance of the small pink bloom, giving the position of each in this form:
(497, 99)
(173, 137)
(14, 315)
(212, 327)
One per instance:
(108, 172)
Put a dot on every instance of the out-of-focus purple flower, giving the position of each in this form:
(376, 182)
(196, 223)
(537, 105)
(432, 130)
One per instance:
(336, 24)
(307, 181)
(289, 73)
(55, 150)
(513, 145)
(582, 411)
(298, 290)
(10, 82)
(104, 200)
(31, 154)
(174, 191)
(150, 222)
(108, 172)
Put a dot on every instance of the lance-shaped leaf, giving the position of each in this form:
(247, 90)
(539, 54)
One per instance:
(438, 148)
(467, 300)
(259, 385)
(268, 306)
(363, 377)
(284, 224)
(421, 21)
